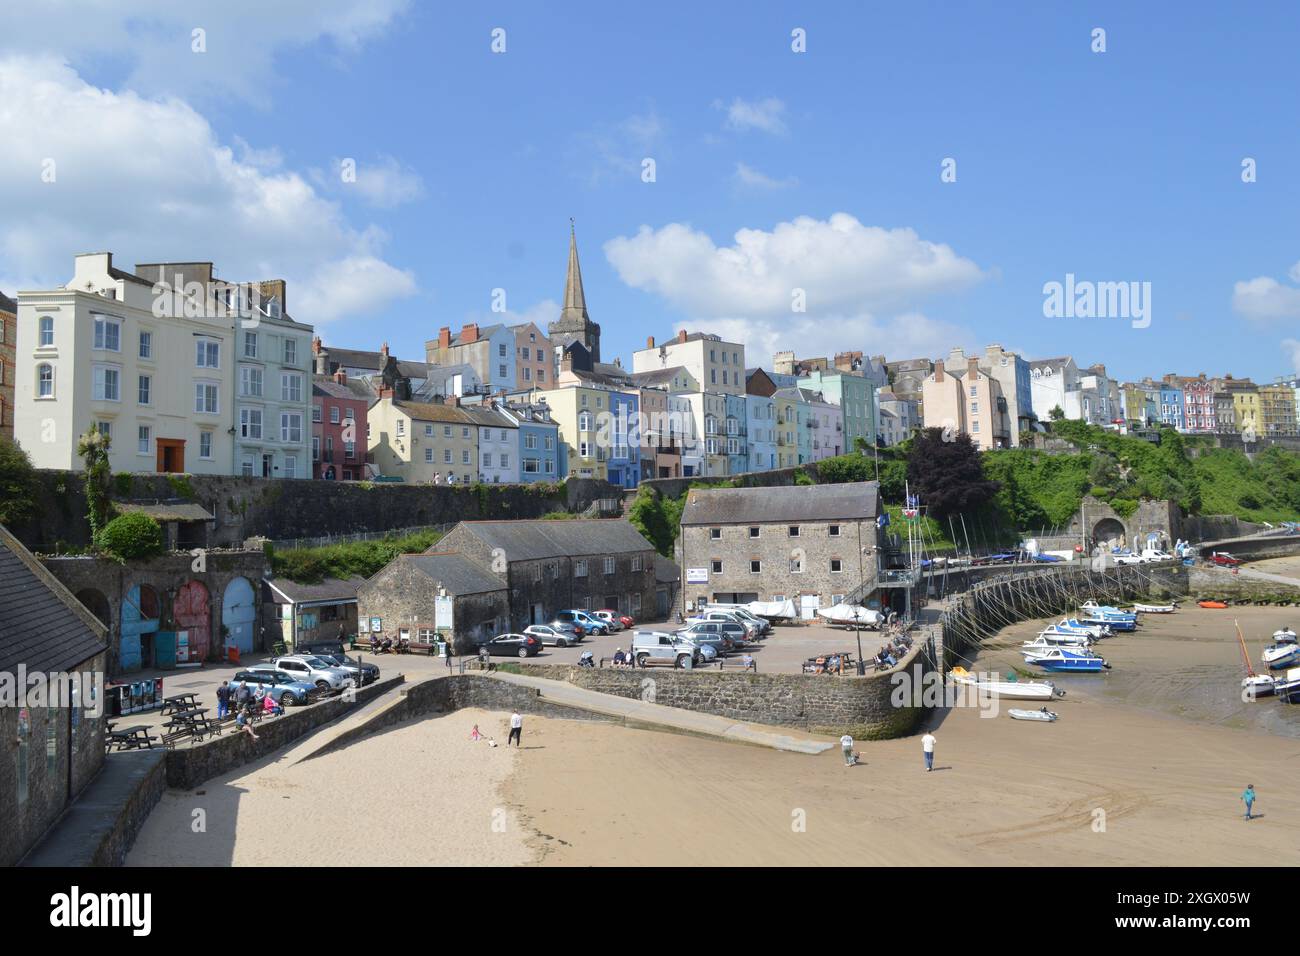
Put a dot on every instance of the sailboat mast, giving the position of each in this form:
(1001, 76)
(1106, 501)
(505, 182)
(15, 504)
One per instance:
(1245, 655)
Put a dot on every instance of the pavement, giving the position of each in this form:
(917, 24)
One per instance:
(661, 717)
(1267, 576)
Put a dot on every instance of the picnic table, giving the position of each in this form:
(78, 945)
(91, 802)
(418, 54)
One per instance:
(131, 738)
(829, 664)
(180, 702)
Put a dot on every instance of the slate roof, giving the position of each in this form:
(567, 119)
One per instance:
(848, 501)
(430, 412)
(1049, 362)
(284, 591)
(532, 540)
(454, 572)
(666, 570)
(326, 386)
(8, 305)
(489, 417)
(168, 511)
(483, 333)
(41, 624)
(656, 376)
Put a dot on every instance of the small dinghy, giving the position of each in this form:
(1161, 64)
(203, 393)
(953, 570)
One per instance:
(1216, 605)
(1284, 636)
(1043, 714)
(1155, 608)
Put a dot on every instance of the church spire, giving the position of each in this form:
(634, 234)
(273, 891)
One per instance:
(575, 300)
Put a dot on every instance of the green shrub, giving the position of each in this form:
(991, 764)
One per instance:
(363, 558)
(130, 537)
(18, 485)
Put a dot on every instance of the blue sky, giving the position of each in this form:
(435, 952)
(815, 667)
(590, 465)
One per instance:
(1115, 166)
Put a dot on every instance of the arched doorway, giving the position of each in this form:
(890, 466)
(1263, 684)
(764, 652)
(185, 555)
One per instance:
(193, 614)
(1108, 533)
(239, 615)
(140, 615)
(96, 604)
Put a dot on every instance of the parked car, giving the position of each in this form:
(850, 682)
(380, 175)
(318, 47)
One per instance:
(514, 645)
(285, 689)
(559, 634)
(660, 647)
(362, 671)
(1225, 559)
(612, 618)
(1129, 558)
(735, 632)
(752, 630)
(710, 632)
(707, 651)
(314, 670)
(742, 612)
(590, 624)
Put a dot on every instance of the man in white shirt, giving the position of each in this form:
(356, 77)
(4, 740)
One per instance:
(846, 744)
(927, 747)
(516, 729)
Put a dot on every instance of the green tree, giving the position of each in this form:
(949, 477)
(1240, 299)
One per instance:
(1056, 414)
(18, 485)
(93, 448)
(130, 537)
(948, 475)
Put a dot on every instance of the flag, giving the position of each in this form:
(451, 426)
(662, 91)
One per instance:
(883, 520)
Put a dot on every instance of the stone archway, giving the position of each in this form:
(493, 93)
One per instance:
(96, 604)
(1109, 533)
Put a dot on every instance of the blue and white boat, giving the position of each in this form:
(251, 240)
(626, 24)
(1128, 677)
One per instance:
(1114, 623)
(1105, 612)
(1065, 660)
(1281, 656)
(1072, 625)
(1052, 636)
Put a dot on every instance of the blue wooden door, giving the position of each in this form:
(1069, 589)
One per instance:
(139, 616)
(239, 615)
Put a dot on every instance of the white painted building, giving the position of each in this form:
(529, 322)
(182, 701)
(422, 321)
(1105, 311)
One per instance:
(155, 373)
(718, 366)
(498, 444)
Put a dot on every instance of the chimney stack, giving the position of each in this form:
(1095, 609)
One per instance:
(469, 334)
(681, 335)
(650, 342)
(341, 376)
(383, 353)
(444, 338)
(938, 370)
(454, 401)
(973, 366)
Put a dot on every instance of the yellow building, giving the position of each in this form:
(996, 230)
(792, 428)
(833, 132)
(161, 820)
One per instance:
(1246, 410)
(582, 414)
(421, 442)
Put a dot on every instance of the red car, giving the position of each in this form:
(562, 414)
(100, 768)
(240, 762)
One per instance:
(1225, 559)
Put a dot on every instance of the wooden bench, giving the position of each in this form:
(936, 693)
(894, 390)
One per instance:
(180, 733)
(425, 646)
(179, 702)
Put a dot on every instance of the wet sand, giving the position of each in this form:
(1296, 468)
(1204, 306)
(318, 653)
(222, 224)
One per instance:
(1288, 566)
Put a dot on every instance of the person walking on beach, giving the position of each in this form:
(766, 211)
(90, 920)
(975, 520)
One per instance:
(927, 748)
(846, 744)
(516, 730)
(223, 699)
(1248, 797)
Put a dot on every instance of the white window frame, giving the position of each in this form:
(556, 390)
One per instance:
(99, 386)
(201, 387)
(102, 325)
(207, 352)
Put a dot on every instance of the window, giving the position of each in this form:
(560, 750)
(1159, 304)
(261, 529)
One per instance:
(501, 352)
(550, 466)
(794, 530)
(584, 422)
(349, 414)
(487, 459)
(105, 429)
(636, 603)
(428, 431)
(290, 428)
(836, 566)
(501, 371)
(290, 351)
(531, 466)
(505, 460)
(290, 387)
(144, 392)
(334, 419)
(428, 456)
(207, 353)
(108, 334)
(974, 391)
(143, 432)
(716, 566)
(250, 381)
(315, 414)
(609, 565)
(206, 400)
(579, 569)
(250, 423)
(205, 444)
(291, 466)
(401, 427)
(464, 457)
(315, 448)
(715, 533)
(349, 449)
(250, 345)
(464, 432)
(541, 375)
(835, 531)
(47, 331)
(753, 532)
(106, 383)
(530, 440)
(146, 345)
(246, 467)
(636, 563)
(755, 566)
(796, 565)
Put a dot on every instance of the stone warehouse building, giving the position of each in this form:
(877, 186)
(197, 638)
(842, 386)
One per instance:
(815, 545)
(434, 596)
(548, 566)
(50, 752)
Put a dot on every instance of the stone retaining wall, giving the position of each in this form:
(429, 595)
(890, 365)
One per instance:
(1212, 583)
(119, 839)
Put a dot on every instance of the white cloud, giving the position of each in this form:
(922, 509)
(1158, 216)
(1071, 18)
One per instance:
(767, 116)
(153, 38)
(149, 180)
(382, 182)
(1293, 347)
(843, 266)
(861, 284)
(1265, 299)
(750, 178)
(616, 151)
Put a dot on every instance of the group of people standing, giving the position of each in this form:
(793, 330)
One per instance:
(245, 701)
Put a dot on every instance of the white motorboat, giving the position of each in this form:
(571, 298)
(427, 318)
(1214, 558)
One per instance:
(1284, 636)
(1044, 714)
(1155, 608)
(851, 615)
(1278, 656)
(1258, 685)
(1070, 625)
(1009, 689)
(1054, 636)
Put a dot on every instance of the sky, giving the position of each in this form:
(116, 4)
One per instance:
(896, 178)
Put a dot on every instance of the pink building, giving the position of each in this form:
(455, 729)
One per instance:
(338, 427)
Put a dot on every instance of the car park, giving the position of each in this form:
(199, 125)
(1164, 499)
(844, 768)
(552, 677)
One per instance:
(559, 635)
(283, 688)
(363, 672)
(512, 645)
(315, 670)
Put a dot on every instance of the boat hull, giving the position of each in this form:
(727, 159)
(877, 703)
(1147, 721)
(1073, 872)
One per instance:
(1010, 690)
(1038, 715)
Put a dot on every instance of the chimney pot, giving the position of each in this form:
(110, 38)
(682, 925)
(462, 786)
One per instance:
(444, 337)
(341, 376)
(681, 335)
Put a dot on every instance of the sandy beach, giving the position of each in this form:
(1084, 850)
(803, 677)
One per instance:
(1145, 766)
(1288, 566)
